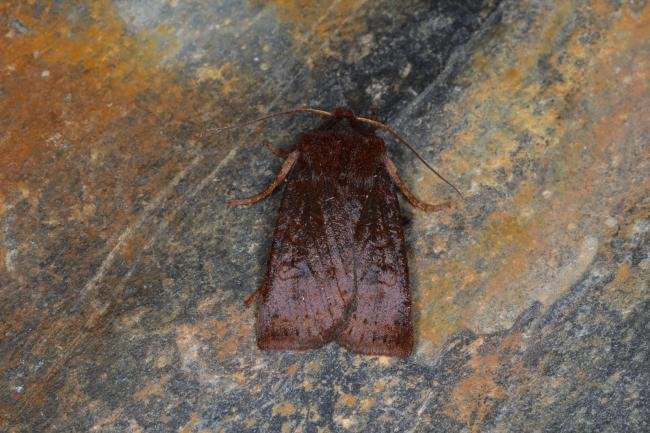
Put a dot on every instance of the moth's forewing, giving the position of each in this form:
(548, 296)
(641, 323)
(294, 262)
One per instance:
(337, 268)
(380, 323)
(309, 283)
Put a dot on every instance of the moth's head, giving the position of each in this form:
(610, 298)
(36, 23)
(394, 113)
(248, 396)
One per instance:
(343, 113)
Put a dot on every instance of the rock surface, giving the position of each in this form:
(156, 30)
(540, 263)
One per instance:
(123, 273)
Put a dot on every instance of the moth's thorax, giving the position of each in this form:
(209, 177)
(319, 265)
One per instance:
(343, 113)
(341, 137)
(342, 158)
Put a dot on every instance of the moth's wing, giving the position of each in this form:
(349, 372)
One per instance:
(309, 285)
(380, 323)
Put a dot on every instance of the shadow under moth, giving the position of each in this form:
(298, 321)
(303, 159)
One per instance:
(337, 269)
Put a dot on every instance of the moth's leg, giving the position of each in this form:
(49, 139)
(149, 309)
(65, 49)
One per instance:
(256, 294)
(286, 168)
(252, 297)
(392, 171)
(276, 150)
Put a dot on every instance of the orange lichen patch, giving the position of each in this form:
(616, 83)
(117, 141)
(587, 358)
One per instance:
(165, 358)
(206, 305)
(81, 78)
(196, 340)
(220, 327)
(628, 289)
(130, 320)
(292, 369)
(312, 367)
(471, 393)
(308, 384)
(240, 377)
(284, 409)
(505, 231)
(133, 247)
(239, 321)
(154, 388)
(507, 94)
(229, 347)
(107, 422)
(385, 361)
(87, 104)
(367, 404)
(476, 395)
(576, 164)
(345, 422)
(441, 315)
(347, 400)
(191, 423)
(379, 386)
(512, 342)
(227, 75)
(623, 274)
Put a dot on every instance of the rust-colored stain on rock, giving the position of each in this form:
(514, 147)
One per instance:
(89, 149)
(474, 396)
(82, 79)
(575, 174)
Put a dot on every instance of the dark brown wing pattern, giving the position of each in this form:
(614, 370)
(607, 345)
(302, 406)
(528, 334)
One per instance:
(337, 269)
(380, 322)
(309, 284)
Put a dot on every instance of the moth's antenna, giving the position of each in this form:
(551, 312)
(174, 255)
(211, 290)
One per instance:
(269, 116)
(401, 140)
(361, 119)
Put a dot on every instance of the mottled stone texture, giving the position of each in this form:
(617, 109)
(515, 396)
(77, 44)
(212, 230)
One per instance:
(122, 272)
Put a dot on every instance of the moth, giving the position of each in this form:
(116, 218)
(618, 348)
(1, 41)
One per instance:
(337, 269)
